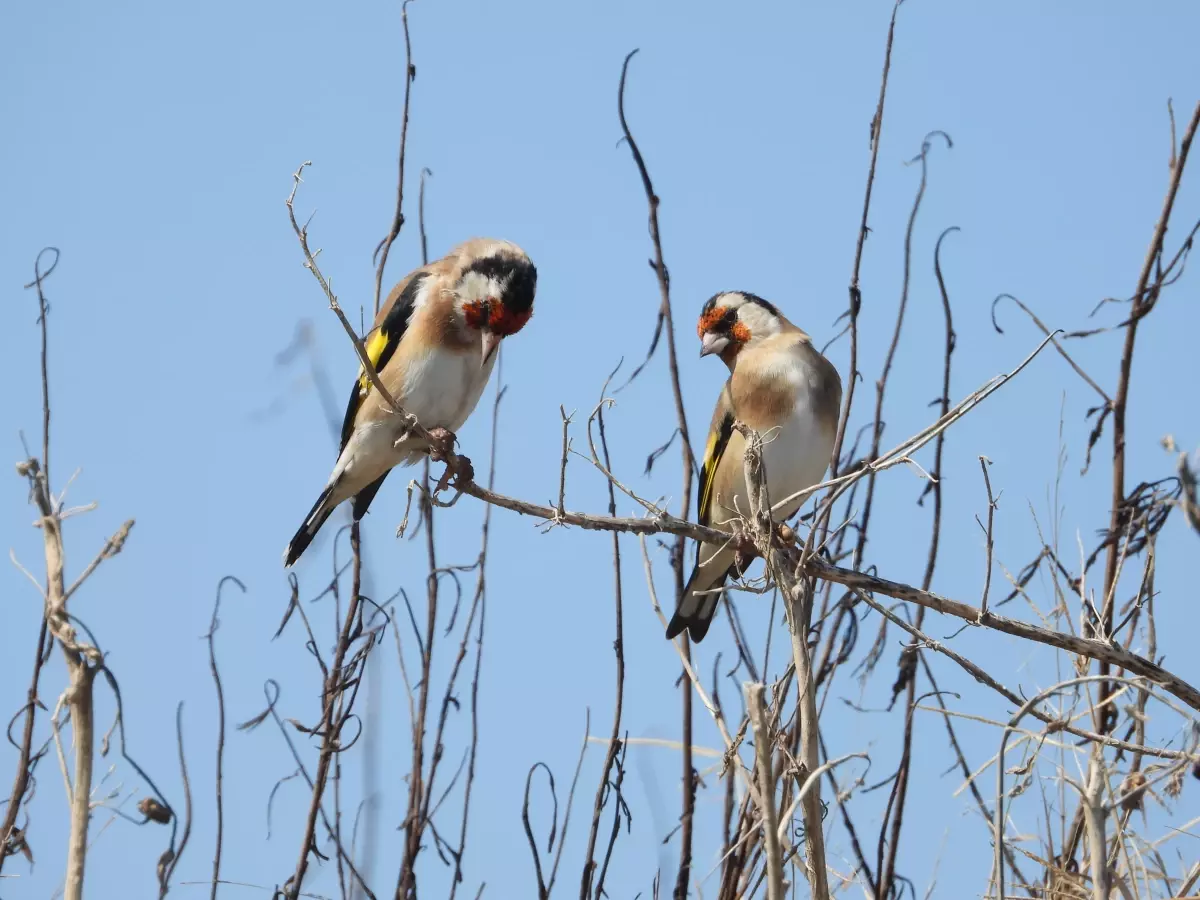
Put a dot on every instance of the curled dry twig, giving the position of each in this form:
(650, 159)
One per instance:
(170, 857)
(212, 662)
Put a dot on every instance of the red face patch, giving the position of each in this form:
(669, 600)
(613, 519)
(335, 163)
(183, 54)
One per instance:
(711, 319)
(717, 320)
(475, 313)
(494, 316)
(505, 322)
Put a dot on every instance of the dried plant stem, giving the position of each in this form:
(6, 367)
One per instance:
(1142, 301)
(889, 845)
(407, 423)
(614, 742)
(1095, 813)
(83, 738)
(999, 819)
(981, 675)
(763, 750)
(330, 727)
(817, 568)
(82, 660)
(799, 611)
(212, 662)
(481, 600)
(22, 779)
(79, 697)
(385, 245)
(855, 292)
(889, 359)
(666, 322)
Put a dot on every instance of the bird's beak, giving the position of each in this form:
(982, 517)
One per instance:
(491, 341)
(712, 343)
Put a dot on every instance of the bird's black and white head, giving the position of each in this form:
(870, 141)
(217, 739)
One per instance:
(494, 290)
(734, 320)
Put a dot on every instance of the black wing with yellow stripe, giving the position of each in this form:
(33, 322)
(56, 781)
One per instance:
(718, 440)
(381, 344)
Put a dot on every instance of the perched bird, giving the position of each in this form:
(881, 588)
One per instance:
(433, 346)
(783, 388)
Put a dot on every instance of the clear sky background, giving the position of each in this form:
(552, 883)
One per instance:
(154, 144)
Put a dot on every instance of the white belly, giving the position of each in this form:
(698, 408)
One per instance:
(796, 456)
(442, 388)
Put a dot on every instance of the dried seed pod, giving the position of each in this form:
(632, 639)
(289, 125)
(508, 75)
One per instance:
(154, 811)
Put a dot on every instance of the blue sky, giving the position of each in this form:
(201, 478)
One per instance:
(154, 144)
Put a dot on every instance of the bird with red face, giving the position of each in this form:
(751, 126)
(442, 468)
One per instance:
(782, 387)
(433, 346)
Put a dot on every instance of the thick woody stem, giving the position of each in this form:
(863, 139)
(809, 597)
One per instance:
(79, 691)
(1094, 812)
(757, 710)
(799, 609)
(83, 733)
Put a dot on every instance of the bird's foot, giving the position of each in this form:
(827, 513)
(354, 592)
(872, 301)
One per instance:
(441, 449)
(441, 443)
(744, 553)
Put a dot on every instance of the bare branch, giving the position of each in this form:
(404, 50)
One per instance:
(385, 245)
(766, 787)
(212, 662)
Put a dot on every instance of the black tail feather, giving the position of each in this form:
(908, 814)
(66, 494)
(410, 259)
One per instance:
(308, 531)
(698, 618)
(362, 500)
(696, 626)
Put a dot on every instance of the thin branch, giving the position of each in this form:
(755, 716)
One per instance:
(10, 839)
(666, 322)
(329, 730)
(614, 743)
(83, 661)
(818, 568)
(212, 662)
(385, 245)
(407, 424)
(889, 359)
(170, 858)
(889, 847)
(39, 278)
(998, 822)
(1057, 346)
(1141, 302)
(481, 593)
(855, 292)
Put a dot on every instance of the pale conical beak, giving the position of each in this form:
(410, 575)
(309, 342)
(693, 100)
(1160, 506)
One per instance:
(712, 343)
(491, 341)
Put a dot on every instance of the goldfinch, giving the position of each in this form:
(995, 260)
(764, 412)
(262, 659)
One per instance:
(433, 345)
(783, 388)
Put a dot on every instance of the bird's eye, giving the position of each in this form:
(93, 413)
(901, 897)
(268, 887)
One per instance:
(714, 320)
